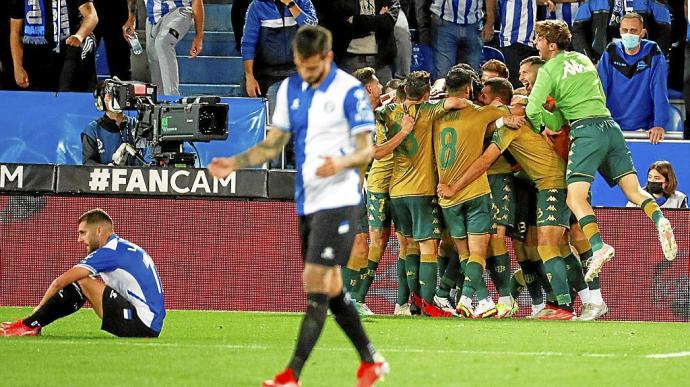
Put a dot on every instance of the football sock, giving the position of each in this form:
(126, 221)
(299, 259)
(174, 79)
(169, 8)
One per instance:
(517, 283)
(412, 271)
(310, 330)
(428, 273)
(350, 278)
(556, 273)
(403, 288)
(346, 316)
(573, 268)
(545, 283)
(442, 262)
(61, 304)
(367, 278)
(474, 279)
(651, 208)
(499, 270)
(450, 277)
(530, 272)
(461, 277)
(589, 226)
(595, 297)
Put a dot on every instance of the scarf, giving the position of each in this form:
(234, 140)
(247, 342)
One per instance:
(36, 22)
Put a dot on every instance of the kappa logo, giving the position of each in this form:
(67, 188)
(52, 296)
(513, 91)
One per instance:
(328, 253)
(551, 199)
(571, 67)
(551, 208)
(551, 218)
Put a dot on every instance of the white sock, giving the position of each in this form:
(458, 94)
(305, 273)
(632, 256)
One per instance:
(505, 300)
(595, 297)
(487, 301)
(466, 301)
(585, 296)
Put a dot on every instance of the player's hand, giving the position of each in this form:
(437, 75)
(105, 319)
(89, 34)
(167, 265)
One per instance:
(197, 46)
(550, 6)
(517, 110)
(519, 100)
(330, 167)
(74, 41)
(221, 167)
(445, 191)
(514, 122)
(547, 134)
(656, 134)
(407, 124)
(21, 77)
(438, 88)
(253, 89)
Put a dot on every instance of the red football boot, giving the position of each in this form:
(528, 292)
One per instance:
(283, 379)
(18, 328)
(370, 373)
(558, 314)
(434, 311)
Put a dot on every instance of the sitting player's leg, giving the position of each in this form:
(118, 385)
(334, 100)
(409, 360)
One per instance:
(63, 303)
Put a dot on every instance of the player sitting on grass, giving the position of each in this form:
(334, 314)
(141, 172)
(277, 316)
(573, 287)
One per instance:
(129, 300)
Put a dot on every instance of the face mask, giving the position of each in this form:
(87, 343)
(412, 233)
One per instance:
(655, 187)
(630, 41)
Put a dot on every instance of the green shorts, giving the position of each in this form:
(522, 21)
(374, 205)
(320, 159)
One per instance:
(471, 217)
(525, 208)
(417, 217)
(502, 194)
(552, 209)
(379, 209)
(598, 144)
(362, 223)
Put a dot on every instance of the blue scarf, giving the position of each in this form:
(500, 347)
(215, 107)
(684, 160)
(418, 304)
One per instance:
(36, 19)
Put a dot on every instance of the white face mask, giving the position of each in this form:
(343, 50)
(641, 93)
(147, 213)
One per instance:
(630, 41)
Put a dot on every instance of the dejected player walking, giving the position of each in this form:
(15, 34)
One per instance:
(328, 114)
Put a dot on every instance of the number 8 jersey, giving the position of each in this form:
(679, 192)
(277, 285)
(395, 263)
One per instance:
(458, 142)
(129, 270)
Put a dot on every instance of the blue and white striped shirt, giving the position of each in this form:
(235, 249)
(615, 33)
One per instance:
(156, 9)
(458, 11)
(517, 21)
(565, 12)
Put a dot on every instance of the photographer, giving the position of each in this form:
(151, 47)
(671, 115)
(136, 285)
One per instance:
(106, 139)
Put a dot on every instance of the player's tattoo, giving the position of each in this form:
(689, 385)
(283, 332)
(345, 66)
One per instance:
(265, 150)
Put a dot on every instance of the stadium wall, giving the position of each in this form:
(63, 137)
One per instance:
(244, 254)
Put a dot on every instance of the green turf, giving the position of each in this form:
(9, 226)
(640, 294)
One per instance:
(241, 349)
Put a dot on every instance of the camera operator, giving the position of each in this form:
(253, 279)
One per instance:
(110, 139)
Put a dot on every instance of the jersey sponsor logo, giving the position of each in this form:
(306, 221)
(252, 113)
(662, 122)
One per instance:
(572, 67)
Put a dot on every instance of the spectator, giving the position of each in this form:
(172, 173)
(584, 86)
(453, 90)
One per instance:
(457, 32)
(403, 42)
(517, 33)
(269, 28)
(597, 23)
(494, 68)
(562, 10)
(368, 39)
(6, 73)
(662, 184)
(633, 73)
(238, 15)
(686, 77)
(47, 58)
(167, 22)
(102, 139)
(112, 15)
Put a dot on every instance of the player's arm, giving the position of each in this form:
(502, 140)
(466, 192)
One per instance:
(535, 111)
(455, 103)
(364, 150)
(386, 148)
(17, 49)
(198, 15)
(72, 275)
(478, 168)
(260, 153)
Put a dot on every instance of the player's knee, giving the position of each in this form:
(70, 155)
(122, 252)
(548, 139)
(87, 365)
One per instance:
(73, 293)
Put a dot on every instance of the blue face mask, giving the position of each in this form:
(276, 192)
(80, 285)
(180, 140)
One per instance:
(630, 41)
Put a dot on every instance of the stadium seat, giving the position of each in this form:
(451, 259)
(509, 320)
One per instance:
(489, 52)
(675, 122)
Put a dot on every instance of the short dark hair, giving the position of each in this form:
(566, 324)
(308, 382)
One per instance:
(534, 60)
(417, 84)
(364, 75)
(399, 86)
(633, 15)
(96, 215)
(458, 78)
(496, 66)
(554, 31)
(312, 40)
(501, 88)
(466, 67)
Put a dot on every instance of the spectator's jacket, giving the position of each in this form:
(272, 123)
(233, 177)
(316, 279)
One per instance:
(635, 85)
(268, 32)
(594, 28)
(362, 25)
(101, 138)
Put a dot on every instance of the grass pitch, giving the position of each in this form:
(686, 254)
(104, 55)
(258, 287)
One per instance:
(242, 349)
